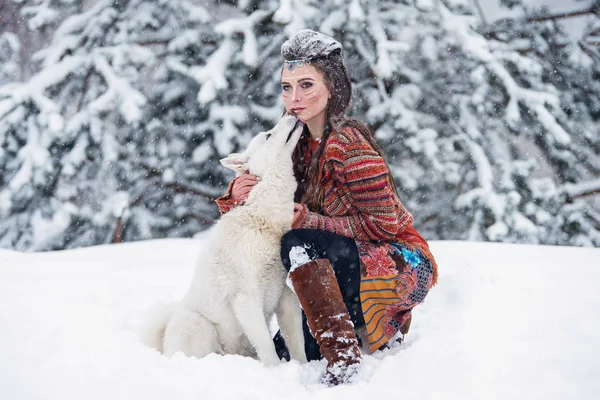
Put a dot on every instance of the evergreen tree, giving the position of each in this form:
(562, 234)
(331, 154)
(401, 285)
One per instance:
(78, 154)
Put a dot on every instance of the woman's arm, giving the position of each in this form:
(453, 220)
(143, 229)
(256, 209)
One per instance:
(237, 192)
(225, 202)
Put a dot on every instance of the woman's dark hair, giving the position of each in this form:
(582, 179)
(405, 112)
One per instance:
(337, 81)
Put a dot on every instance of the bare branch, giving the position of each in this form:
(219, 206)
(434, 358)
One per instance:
(593, 9)
(179, 188)
(208, 221)
(593, 53)
(574, 191)
(480, 11)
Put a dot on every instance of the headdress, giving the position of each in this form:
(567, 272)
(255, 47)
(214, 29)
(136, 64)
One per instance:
(306, 45)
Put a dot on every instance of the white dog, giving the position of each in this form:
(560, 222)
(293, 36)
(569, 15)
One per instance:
(239, 282)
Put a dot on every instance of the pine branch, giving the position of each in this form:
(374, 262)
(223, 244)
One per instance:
(429, 218)
(593, 9)
(179, 188)
(480, 11)
(84, 90)
(593, 53)
(585, 194)
(574, 191)
(208, 221)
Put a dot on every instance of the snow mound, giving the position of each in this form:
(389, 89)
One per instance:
(505, 321)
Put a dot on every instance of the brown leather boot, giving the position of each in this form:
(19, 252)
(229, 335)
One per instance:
(328, 318)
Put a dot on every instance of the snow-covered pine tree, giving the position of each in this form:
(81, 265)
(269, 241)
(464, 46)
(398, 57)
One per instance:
(556, 188)
(472, 124)
(203, 106)
(80, 150)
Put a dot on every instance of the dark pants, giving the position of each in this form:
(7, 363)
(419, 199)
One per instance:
(345, 261)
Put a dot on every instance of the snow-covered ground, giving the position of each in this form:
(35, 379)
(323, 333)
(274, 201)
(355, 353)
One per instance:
(505, 322)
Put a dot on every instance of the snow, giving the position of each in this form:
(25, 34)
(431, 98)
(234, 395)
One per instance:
(307, 44)
(505, 321)
(355, 11)
(298, 257)
(284, 13)
(45, 231)
(574, 26)
(334, 22)
(246, 26)
(581, 188)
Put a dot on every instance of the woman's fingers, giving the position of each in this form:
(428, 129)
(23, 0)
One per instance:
(243, 185)
(248, 180)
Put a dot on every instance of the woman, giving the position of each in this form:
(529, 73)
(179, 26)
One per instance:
(354, 257)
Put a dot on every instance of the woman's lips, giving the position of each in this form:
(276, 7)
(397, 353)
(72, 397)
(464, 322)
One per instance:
(295, 110)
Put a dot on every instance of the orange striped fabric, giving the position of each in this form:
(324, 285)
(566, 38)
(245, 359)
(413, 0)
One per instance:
(376, 295)
(358, 199)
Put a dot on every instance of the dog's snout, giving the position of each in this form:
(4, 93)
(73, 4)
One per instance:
(296, 125)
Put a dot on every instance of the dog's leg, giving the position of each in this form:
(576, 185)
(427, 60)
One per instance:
(249, 313)
(190, 333)
(289, 318)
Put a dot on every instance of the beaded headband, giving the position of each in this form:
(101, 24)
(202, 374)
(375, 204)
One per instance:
(295, 63)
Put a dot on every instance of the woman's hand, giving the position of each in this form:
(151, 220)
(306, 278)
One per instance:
(242, 186)
(299, 214)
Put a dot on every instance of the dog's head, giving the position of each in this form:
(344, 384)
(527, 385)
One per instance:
(267, 148)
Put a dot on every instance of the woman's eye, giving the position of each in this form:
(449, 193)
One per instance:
(285, 87)
(306, 85)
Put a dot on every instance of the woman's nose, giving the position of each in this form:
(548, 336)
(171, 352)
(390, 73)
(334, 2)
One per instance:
(296, 96)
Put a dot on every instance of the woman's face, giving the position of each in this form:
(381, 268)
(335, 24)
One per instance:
(304, 92)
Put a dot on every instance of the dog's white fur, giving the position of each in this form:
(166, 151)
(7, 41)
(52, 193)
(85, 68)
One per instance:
(239, 282)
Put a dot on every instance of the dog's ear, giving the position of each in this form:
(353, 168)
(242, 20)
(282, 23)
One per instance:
(236, 161)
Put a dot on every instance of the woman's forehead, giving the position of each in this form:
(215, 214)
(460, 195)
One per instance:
(297, 74)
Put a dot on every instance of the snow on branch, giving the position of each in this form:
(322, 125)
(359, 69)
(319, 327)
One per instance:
(13, 96)
(334, 21)
(594, 8)
(245, 26)
(228, 116)
(384, 67)
(211, 77)
(196, 13)
(355, 11)
(118, 91)
(40, 14)
(484, 194)
(581, 189)
(536, 101)
(294, 14)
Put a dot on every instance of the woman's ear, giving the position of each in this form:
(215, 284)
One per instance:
(235, 161)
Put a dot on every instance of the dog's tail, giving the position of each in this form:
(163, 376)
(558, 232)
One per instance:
(152, 330)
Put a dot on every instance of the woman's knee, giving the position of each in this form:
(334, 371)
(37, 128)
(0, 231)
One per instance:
(291, 239)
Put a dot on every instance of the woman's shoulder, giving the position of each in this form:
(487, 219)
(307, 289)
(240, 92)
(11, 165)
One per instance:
(346, 134)
(350, 138)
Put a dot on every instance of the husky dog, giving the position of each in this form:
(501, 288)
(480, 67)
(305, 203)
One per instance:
(239, 282)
